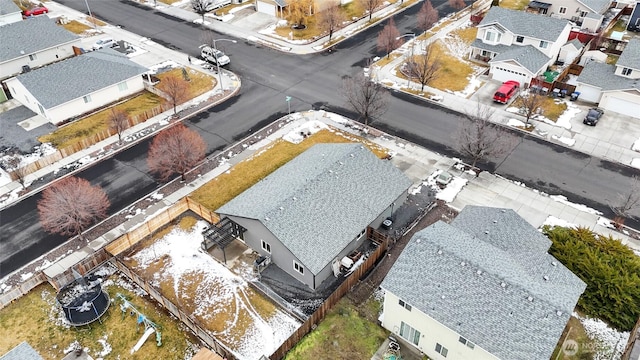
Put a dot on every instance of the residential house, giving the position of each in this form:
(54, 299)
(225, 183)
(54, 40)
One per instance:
(616, 87)
(314, 210)
(570, 51)
(271, 7)
(518, 45)
(30, 44)
(587, 13)
(23, 351)
(9, 12)
(78, 85)
(482, 287)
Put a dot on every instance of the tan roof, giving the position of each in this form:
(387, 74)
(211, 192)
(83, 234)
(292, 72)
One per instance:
(206, 354)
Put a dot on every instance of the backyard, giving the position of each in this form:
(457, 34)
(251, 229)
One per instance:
(37, 319)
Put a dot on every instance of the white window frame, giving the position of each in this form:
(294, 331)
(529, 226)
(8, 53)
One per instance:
(265, 246)
(442, 350)
(297, 267)
(627, 71)
(409, 333)
(123, 86)
(87, 99)
(464, 341)
(562, 10)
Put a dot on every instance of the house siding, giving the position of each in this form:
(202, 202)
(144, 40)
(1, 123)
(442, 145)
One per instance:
(44, 57)
(635, 73)
(10, 18)
(431, 332)
(572, 12)
(589, 93)
(504, 71)
(622, 102)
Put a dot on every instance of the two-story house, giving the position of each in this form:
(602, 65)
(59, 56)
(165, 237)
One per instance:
(482, 287)
(614, 87)
(78, 85)
(587, 13)
(518, 45)
(9, 12)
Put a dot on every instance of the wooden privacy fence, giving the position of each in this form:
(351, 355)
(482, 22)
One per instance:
(188, 320)
(84, 143)
(328, 304)
(83, 267)
(21, 289)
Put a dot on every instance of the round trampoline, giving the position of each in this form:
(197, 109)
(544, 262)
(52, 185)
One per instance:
(83, 300)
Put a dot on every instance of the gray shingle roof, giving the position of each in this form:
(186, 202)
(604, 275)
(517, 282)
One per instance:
(630, 56)
(525, 24)
(603, 76)
(73, 78)
(576, 43)
(8, 7)
(317, 203)
(24, 351)
(28, 37)
(481, 287)
(498, 48)
(527, 56)
(598, 6)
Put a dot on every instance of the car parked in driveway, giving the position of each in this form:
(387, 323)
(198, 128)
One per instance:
(38, 10)
(104, 43)
(593, 116)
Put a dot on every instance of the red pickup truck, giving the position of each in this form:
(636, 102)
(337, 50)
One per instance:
(506, 92)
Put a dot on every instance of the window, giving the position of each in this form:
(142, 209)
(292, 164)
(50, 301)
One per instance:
(441, 350)
(87, 99)
(409, 333)
(626, 71)
(123, 86)
(298, 267)
(467, 342)
(266, 246)
(32, 57)
(492, 36)
(583, 13)
(520, 39)
(562, 10)
(544, 44)
(404, 305)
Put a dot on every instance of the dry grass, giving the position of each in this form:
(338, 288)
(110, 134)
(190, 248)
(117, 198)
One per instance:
(199, 83)
(226, 9)
(551, 109)
(311, 31)
(386, 60)
(95, 21)
(454, 72)
(620, 26)
(32, 319)
(353, 10)
(242, 176)
(168, 2)
(76, 27)
(467, 34)
(514, 4)
(98, 122)
(612, 59)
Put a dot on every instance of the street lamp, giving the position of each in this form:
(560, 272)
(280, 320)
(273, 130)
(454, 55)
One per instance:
(215, 54)
(93, 21)
(413, 37)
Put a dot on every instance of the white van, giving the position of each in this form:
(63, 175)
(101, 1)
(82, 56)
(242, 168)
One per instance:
(212, 55)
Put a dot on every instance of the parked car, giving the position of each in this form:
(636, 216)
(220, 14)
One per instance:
(507, 91)
(38, 10)
(213, 55)
(593, 115)
(104, 43)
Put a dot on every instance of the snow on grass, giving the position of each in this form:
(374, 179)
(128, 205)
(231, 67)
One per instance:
(611, 341)
(449, 193)
(564, 120)
(565, 140)
(515, 123)
(5, 178)
(602, 221)
(563, 199)
(188, 266)
(471, 87)
(553, 221)
(303, 131)
(635, 162)
(636, 145)
(106, 347)
(430, 183)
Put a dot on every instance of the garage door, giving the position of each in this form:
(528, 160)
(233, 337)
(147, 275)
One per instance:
(622, 106)
(266, 8)
(504, 74)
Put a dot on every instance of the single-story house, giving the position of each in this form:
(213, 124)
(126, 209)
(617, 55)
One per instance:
(314, 210)
(616, 87)
(577, 11)
(518, 45)
(29, 44)
(78, 85)
(9, 12)
(482, 287)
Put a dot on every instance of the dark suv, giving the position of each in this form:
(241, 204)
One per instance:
(593, 116)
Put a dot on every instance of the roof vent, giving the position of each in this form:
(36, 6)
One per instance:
(463, 263)
(503, 284)
(553, 263)
(439, 252)
(510, 313)
(559, 313)
(530, 298)
(294, 198)
(442, 297)
(351, 155)
(418, 241)
(486, 232)
(503, 211)
(546, 278)
(479, 272)
(281, 208)
(340, 162)
(330, 171)
(266, 218)
(495, 221)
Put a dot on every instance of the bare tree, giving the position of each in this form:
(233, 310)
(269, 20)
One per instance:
(530, 104)
(478, 138)
(457, 4)
(388, 38)
(200, 7)
(425, 67)
(427, 16)
(331, 19)
(626, 203)
(176, 89)
(370, 6)
(70, 205)
(118, 122)
(13, 164)
(299, 11)
(175, 151)
(365, 97)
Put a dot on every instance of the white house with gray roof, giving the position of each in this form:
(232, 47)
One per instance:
(33, 43)
(518, 45)
(9, 12)
(316, 209)
(616, 87)
(78, 85)
(587, 13)
(482, 287)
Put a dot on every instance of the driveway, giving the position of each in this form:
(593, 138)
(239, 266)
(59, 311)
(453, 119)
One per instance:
(19, 129)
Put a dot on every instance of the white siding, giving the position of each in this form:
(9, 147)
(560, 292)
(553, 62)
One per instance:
(635, 73)
(14, 67)
(431, 332)
(10, 18)
(266, 8)
(504, 71)
(622, 102)
(20, 93)
(589, 93)
(572, 7)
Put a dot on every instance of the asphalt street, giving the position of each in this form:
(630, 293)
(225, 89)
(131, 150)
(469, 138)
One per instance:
(313, 81)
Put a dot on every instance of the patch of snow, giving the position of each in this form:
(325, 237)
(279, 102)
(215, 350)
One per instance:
(635, 162)
(74, 345)
(449, 193)
(562, 199)
(303, 131)
(471, 87)
(26, 276)
(636, 145)
(5, 178)
(611, 341)
(168, 64)
(106, 347)
(602, 221)
(157, 196)
(553, 221)
(564, 140)
(515, 123)
(564, 120)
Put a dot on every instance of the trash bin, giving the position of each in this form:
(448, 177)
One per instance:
(574, 95)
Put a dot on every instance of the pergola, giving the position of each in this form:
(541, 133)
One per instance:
(222, 234)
